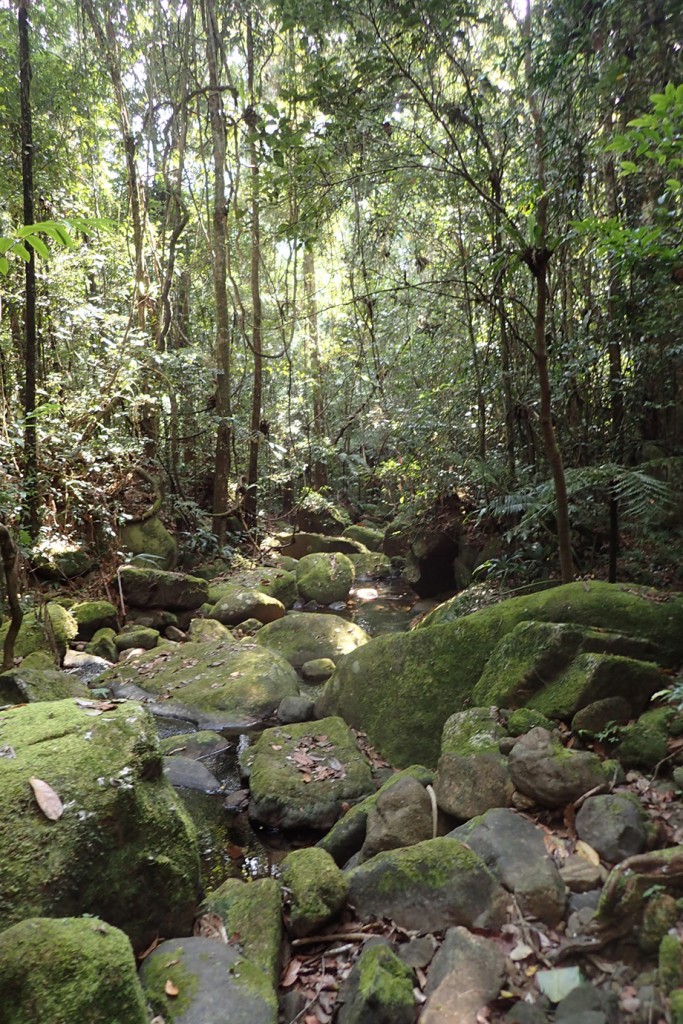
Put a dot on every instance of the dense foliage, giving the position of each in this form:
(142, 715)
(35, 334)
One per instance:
(377, 252)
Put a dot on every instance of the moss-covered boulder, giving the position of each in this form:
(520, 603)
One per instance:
(551, 774)
(92, 616)
(401, 688)
(325, 578)
(372, 538)
(275, 582)
(121, 846)
(347, 835)
(134, 637)
(150, 543)
(237, 604)
(24, 685)
(49, 630)
(66, 971)
(428, 887)
(58, 559)
(315, 888)
(102, 645)
(305, 636)
(302, 775)
(153, 588)
(644, 744)
(371, 566)
(558, 668)
(208, 630)
(198, 980)
(379, 990)
(252, 911)
(298, 545)
(217, 685)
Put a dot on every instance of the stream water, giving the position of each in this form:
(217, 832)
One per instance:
(230, 846)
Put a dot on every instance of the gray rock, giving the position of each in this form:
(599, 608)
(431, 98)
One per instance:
(514, 850)
(379, 990)
(215, 982)
(401, 816)
(465, 975)
(186, 773)
(579, 875)
(586, 999)
(597, 716)
(295, 709)
(428, 887)
(543, 769)
(470, 785)
(417, 952)
(615, 825)
(241, 603)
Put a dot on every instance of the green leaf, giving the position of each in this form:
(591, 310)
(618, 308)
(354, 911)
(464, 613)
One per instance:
(4, 265)
(628, 167)
(22, 251)
(39, 245)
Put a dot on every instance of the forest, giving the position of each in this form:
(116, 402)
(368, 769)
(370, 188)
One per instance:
(386, 256)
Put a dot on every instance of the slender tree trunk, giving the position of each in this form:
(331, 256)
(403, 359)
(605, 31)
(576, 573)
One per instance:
(219, 261)
(10, 559)
(319, 468)
(31, 349)
(251, 497)
(537, 259)
(615, 376)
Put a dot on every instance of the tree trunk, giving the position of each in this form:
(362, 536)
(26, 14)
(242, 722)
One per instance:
(9, 555)
(30, 431)
(220, 245)
(319, 469)
(251, 497)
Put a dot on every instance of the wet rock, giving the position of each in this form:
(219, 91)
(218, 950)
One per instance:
(213, 982)
(466, 974)
(315, 887)
(303, 774)
(70, 969)
(305, 636)
(379, 990)
(428, 887)
(402, 815)
(193, 744)
(614, 824)
(371, 565)
(514, 850)
(186, 773)
(547, 772)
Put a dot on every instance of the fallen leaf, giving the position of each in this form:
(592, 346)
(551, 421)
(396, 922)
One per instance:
(170, 989)
(46, 798)
(276, 746)
(587, 852)
(521, 952)
(558, 983)
(210, 926)
(291, 973)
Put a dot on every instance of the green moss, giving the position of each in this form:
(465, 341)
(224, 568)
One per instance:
(372, 539)
(277, 583)
(660, 913)
(522, 720)
(475, 731)
(316, 886)
(158, 971)
(102, 644)
(676, 1006)
(256, 981)
(643, 745)
(384, 979)
(134, 636)
(251, 910)
(671, 963)
(304, 636)
(24, 683)
(429, 864)
(150, 543)
(92, 616)
(66, 971)
(400, 689)
(124, 848)
(325, 578)
(50, 632)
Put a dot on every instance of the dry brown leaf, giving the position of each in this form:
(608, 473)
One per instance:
(46, 798)
(170, 989)
(587, 852)
(210, 926)
(291, 973)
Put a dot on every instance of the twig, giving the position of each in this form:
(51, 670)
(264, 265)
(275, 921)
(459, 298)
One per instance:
(312, 940)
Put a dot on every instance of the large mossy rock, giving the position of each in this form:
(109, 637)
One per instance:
(325, 578)
(298, 545)
(372, 538)
(49, 630)
(123, 847)
(92, 616)
(153, 588)
(304, 636)
(237, 604)
(303, 774)
(252, 910)
(150, 543)
(277, 583)
(68, 971)
(401, 688)
(23, 685)
(59, 559)
(216, 685)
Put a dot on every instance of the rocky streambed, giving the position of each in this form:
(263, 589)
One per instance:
(476, 820)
